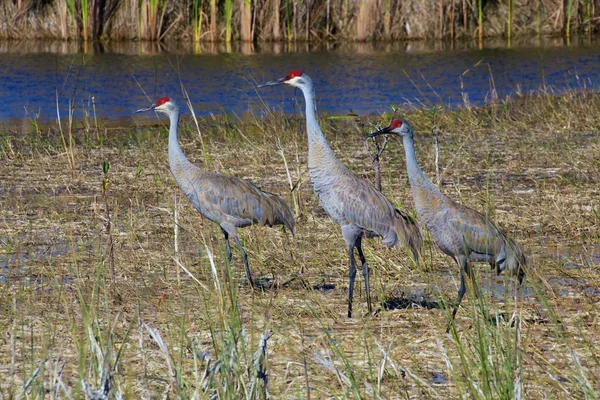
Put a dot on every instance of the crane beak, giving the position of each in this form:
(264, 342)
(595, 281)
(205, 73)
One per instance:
(273, 83)
(152, 107)
(379, 132)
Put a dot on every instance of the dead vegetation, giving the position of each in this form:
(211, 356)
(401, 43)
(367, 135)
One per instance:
(71, 328)
(274, 20)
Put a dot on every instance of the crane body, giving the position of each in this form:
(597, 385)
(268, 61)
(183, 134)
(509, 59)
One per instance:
(355, 205)
(226, 200)
(462, 233)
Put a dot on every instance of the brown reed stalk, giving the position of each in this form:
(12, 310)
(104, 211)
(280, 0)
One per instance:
(213, 20)
(134, 17)
(276, 22)
(387, 20)
(451, 19)
(480, 22)
(307, 24)
(63, 16)
(362, 20)
(465, 13)
(441, 35)
(327, 19)
(246, 21)
(295, 3)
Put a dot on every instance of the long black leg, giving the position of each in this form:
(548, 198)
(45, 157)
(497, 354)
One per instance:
(227, 245)
(365, 271)
(352, 277)
(465, 271)
(245, 259)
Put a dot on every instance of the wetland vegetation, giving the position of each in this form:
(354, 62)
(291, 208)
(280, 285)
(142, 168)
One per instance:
(111, 283)
(288, 20)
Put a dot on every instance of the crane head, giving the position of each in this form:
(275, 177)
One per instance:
(164, 105)
(294, 78)
(397, 127)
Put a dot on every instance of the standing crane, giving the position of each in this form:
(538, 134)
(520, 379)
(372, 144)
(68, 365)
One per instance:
(354, 204)
(229, 201)
(461, 232)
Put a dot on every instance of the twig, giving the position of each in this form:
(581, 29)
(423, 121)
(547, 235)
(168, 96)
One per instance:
(376, 161)
(437, 154)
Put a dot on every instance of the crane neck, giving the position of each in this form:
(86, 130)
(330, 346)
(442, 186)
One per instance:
(317, 145)
(176, 156)
(416, 177)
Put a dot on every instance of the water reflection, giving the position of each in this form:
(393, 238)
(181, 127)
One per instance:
(248, 48)
(112, 79)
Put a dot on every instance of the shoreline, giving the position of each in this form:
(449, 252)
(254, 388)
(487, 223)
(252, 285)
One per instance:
(183, 47)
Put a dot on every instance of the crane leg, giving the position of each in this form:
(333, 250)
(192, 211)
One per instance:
(365, 271)
(352, 277)
(244, 258)
(465, 271)
(227, 245)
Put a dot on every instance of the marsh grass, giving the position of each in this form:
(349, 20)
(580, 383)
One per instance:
(71, 330)
(317, 20)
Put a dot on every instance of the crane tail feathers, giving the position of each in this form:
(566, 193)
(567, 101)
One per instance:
(276, 211)
(408, 231)
(517, 264)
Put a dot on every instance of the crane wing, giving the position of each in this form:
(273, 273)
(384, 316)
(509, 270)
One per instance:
(242, 203)
(364, 206)
(479, 234)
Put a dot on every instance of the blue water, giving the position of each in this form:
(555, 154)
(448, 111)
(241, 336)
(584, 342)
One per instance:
(347, 79)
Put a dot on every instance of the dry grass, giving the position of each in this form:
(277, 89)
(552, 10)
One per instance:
(264, 20)
(531, 164)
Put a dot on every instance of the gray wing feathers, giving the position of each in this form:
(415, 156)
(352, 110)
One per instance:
(370, 210)
(276, 211)
(410, 233)
(228, 199)
(481, 236)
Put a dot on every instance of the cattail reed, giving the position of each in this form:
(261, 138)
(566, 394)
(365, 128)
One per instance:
(289, 20)
(246, 21)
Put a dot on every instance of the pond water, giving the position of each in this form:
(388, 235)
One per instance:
(359, 78)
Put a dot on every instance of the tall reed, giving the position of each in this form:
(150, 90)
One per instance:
(246, 21)
(569, 14)
(480, 22)
(85, 14)
(276, 21)
(288, 20)
(387, 20)
(291, 20)
(151, 18)
(213, 20)
(362, 20)
(228, 13)
(197, 20)
(509, 19)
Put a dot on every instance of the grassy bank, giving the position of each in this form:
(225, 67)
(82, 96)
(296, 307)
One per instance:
(275, 20)
(74, 208)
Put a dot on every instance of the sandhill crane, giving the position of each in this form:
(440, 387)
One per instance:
(354, 204)
(461, 232)
(229, 201)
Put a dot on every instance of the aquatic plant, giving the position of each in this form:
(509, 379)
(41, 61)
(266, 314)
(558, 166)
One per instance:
(228, 14)
(197, 20)
(251, 20)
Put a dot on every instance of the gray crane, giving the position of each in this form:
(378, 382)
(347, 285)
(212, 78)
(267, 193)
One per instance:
(354, 204)
(229, 201)
(461, 232)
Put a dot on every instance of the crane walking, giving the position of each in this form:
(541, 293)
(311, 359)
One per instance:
(229, 201)
(354, 204)
(461, 232)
